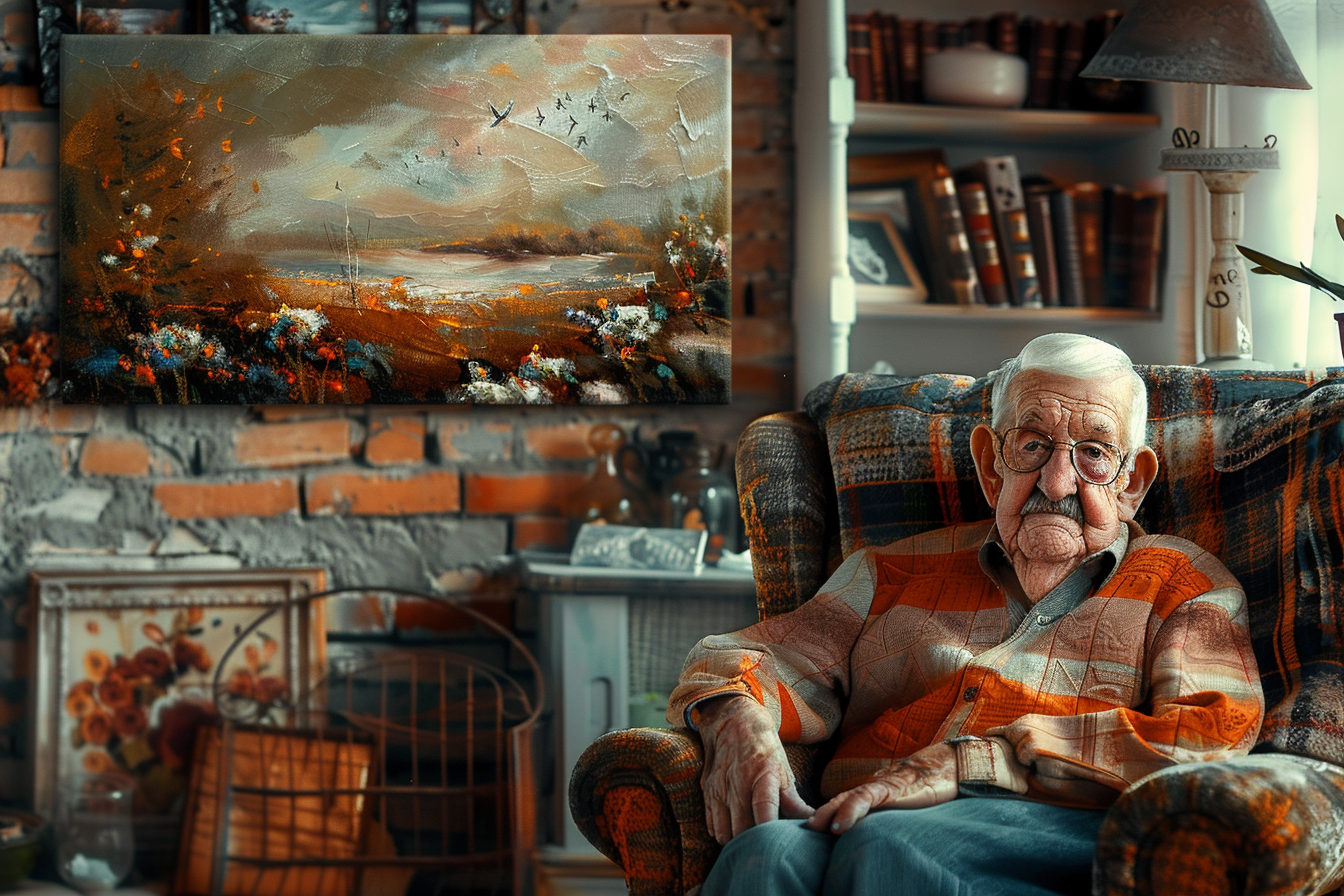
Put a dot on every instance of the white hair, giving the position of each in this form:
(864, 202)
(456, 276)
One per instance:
(1080, 357)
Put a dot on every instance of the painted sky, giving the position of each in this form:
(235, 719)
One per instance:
(399, 129)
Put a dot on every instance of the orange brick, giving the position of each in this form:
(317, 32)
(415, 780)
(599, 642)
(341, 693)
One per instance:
(292, 444)
(561, 441)
(279, 413)
(35, 185)
(114, 456)
(28, 228)
(521, 492)
(19, 98)
(545, 533)
(216, 500)
(30, 139)
(373, 494)
(395, 440)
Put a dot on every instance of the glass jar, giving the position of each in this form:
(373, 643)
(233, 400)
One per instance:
(95, 844)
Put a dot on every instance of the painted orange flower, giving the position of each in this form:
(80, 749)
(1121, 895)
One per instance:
(96, 664)
(154, 662)
(269, 689)
(189, 654)
(79, 702)
(96, 728)
(153, 632)
(114, 692)
(98, 762)
(241, 683)
(128, 721)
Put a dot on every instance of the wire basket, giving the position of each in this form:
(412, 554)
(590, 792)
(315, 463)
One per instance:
(409, 770)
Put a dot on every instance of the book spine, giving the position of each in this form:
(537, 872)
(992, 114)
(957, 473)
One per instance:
(928, 41)
(952, 230)
(1118, 224)
(1072, 36)
(860, 56)
(979, 222)
(1003, 32)
(1043, 250)
(1067, 253)
(911, 60)
(1146, 260)
(1042, 50)
(1004, 187)
(878, 62)
(891, 58)
(1087, 214)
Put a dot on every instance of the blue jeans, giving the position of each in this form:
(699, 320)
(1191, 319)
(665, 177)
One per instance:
(973, 846)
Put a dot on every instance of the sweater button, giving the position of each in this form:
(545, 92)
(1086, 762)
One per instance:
(969, 694)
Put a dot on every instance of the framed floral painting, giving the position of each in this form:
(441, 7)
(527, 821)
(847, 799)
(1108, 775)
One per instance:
(128, 666)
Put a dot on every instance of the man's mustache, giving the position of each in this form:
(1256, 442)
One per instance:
(1069, 506)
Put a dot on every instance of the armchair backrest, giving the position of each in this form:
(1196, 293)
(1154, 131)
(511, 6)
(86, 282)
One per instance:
(1250, 471)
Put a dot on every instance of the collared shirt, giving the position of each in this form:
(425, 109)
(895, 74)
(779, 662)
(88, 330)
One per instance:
(1138, 660)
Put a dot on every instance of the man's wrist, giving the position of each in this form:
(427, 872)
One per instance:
(709, 710)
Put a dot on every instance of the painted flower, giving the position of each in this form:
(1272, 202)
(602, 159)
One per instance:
(240, 684)
(96, 728)
(189, 654)
(114, 692)
(96, 664)
(175, 736)
(154, 662)
(269, 689)
(79, 701)
(98, 762)
(128, 721)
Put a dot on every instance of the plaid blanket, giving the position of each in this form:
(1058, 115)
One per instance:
(1250, 471)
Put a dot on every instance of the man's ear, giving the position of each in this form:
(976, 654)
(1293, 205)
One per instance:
(1140, 478)
(984, 455)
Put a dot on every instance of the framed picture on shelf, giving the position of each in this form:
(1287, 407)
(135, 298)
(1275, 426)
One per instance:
(133, 664)
(902, 184)
(883, 271)
(307, 16)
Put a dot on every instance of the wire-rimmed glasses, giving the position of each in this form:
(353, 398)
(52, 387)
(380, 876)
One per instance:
(1027, 450)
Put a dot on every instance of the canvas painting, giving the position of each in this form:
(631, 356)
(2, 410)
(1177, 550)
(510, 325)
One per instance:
(502, 219)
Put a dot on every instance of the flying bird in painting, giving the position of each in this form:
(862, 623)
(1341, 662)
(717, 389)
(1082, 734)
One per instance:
(499, 116)
(541, 119)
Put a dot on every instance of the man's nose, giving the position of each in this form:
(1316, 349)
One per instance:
(1057, 478)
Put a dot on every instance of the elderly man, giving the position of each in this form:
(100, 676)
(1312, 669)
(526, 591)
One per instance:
(993, 686)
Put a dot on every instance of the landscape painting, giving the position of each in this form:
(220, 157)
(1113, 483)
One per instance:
(500, 219)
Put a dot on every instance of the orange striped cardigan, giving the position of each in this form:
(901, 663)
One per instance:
(1141, 659)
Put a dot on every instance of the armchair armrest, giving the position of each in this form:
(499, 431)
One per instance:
(787, 496)
(635, 795)
(1266, 823)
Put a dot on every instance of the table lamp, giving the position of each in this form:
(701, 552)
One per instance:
(1209, 42)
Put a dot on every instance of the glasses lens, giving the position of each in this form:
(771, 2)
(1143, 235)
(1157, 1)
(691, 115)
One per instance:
(1025, 450)
(1096, 462)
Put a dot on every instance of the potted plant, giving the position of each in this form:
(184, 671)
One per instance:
(1266, 264)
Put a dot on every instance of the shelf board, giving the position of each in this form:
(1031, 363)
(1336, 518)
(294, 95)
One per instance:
(926, 311)
(1027, 126)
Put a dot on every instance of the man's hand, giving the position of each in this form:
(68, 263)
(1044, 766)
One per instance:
(925, 778)
(747, 779)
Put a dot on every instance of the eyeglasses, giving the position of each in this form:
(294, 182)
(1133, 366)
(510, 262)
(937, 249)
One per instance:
(1026, 451)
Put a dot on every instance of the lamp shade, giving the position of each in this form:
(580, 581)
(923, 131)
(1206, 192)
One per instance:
(1198, 42)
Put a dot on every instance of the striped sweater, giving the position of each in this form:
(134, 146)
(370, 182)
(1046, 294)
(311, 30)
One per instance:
(1139, 660)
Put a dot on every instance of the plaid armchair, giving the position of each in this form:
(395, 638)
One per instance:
(1250, 470)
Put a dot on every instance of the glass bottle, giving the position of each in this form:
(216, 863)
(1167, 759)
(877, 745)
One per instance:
(95, 845)
(703, 497)
(611, 495)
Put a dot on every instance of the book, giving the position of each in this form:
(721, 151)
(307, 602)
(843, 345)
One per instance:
(877, 69)
(891, 59)
(1041, 226)
(1118, 240)
(949, 35)
(1104, 94)
(951, 229)
(1145, 261)
(975, 31)
(911, 60)
(1039, 42)
(1087, 215)
(860, 55)
(1003, 185)
(1068, 257)
(1003, 32)
(1072, 38)
(979, 222)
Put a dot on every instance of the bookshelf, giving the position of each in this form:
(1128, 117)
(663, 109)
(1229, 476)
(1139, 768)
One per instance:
(835, 332)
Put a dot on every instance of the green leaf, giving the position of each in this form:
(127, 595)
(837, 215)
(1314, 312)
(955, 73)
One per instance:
(1339, 225)
(1274, 266)
(1323, 284)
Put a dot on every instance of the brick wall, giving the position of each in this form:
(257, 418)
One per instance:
(396, 496)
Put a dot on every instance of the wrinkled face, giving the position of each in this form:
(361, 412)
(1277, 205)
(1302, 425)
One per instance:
(1066, 410)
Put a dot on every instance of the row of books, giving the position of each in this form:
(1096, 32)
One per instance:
(886, 54)
(997, 238)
